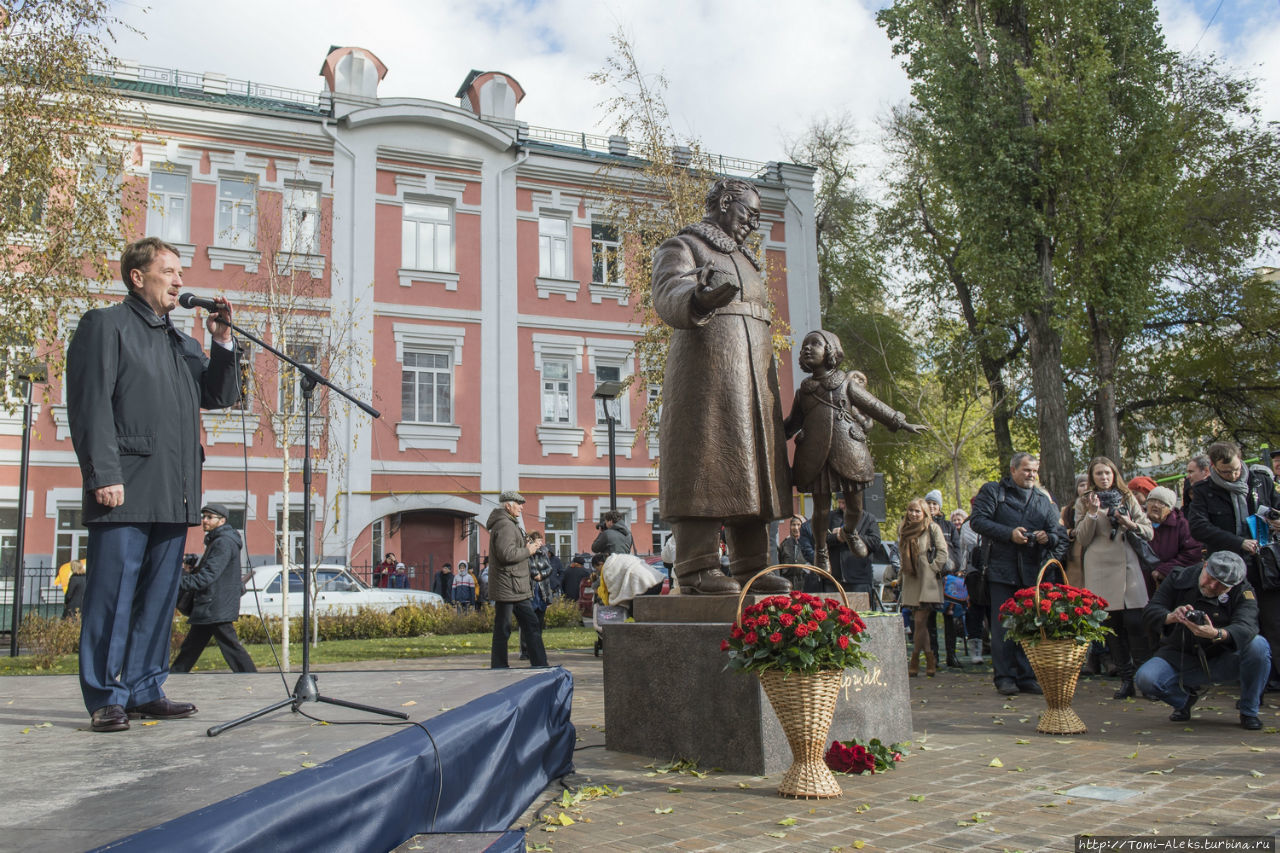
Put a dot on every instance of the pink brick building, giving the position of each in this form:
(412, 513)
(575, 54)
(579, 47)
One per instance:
(456, 257)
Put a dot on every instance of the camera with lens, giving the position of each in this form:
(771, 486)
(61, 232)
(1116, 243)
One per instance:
(1269, 514)
(189, 561)
(1197, 617)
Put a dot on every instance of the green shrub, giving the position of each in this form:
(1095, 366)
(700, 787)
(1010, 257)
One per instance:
(368, 623)
(564, 613)
(49, 639)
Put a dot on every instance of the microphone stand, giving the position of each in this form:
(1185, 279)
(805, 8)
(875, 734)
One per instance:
(305, 690)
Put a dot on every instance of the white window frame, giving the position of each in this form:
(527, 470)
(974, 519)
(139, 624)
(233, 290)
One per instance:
(602, 245)
(660, 529)
(548, 243)
(290, 376)
(607, 352)
(417, 337)
(413, 261)
(652, 438)
(577, 507)
(236, 219)
(569, 417)
(158, 213)
(556, 537)
(435, 372)
(300, 207)
(559, 437)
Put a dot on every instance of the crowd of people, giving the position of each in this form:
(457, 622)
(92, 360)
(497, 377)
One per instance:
(1190, 577)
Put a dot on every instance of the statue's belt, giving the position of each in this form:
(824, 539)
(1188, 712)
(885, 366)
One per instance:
(746, 309)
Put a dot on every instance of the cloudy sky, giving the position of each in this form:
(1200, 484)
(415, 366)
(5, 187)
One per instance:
(745, 77)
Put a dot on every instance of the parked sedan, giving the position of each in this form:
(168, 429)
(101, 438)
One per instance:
(337, 591)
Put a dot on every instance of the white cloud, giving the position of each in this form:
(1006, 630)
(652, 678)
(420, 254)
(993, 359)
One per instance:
(744, 77)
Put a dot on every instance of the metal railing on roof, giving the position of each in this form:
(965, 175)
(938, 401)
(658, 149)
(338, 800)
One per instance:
(212, 84)
(718, 163)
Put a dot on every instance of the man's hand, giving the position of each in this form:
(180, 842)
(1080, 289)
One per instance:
(839, 532)
(1249, 546)
(218, 321)
(1019, 536)
(533, 547)
(716, 289)
(1042, 537)
(1204, 632)
(110, 495)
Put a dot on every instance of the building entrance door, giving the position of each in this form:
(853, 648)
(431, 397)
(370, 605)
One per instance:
(427, 540)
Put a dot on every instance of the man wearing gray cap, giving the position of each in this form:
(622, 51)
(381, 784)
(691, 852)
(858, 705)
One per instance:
(510, 585)
(1208, 624)
(216, 584)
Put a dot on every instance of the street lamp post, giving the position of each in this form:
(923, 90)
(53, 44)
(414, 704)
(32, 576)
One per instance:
(30, 375)
(608, 391)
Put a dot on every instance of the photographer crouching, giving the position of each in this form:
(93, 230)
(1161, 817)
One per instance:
(1208, 623)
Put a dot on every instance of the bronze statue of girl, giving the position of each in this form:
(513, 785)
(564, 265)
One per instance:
(829, 420)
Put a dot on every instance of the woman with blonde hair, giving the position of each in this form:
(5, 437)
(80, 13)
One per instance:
(924, 557)
(1105, 516)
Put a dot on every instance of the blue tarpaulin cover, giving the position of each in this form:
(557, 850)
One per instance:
(496, 754)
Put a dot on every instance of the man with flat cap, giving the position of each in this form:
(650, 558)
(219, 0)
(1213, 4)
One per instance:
(1207, 618)
(216, 584)
(510, 585)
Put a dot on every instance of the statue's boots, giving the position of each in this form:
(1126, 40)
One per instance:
(702, 576)
(856, 543)
(746, 568)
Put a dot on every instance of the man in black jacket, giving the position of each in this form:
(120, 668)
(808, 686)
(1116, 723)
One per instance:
(135, 385)
(216, 583)
(614, 537)
(1021, 531)
(1227, 514)
(851, 556)
(1208, 621)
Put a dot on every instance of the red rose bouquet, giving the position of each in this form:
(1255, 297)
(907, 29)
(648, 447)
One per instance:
(796, 633)
(852, 757)
(1063, 612)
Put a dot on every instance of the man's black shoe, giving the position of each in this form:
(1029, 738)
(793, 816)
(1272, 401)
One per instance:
(1007, 686)
(162, 709)
(110, 718)
(1184, 713)
(1126, 690)
(1031, 686)
(1250, 722)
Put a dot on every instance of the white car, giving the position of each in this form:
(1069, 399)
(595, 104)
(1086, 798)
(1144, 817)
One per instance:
(337, 592)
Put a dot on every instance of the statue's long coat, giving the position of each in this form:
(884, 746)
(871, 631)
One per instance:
(724, 454)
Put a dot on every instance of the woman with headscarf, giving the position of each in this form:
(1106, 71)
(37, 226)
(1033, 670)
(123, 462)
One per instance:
(924, 557)
(1104, 515)
(1172, 542)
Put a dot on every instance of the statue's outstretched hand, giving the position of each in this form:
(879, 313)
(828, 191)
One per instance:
(715, 289)
(915, 429)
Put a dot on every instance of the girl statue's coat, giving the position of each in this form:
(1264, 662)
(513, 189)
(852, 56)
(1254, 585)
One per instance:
(831, 434)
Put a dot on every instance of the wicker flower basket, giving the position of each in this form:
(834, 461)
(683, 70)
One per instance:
(805, 704)
(1057, 667)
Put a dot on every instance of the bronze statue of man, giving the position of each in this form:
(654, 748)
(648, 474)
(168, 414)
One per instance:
(724, 452)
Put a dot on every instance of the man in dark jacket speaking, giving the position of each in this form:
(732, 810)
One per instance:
(1021, 532)
(135, 385)
(510, 585)
(216, 583)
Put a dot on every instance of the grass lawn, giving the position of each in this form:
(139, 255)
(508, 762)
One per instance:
(343, 651)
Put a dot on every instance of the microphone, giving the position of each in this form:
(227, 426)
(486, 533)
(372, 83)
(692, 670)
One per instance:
(190, 300)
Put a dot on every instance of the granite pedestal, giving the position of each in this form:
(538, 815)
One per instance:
(668, 695)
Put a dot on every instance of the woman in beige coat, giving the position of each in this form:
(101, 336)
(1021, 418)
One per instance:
(1104, 515)
(924, 557)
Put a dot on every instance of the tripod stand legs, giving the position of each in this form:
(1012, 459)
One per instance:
(304, 690)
